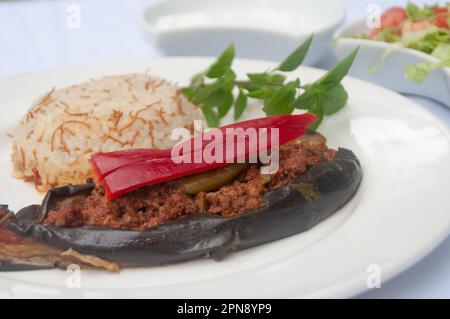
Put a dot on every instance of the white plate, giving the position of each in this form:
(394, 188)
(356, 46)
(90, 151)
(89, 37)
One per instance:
(260, 29)
(391, 75)
(400, 213)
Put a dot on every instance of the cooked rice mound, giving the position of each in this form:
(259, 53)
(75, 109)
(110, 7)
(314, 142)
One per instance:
(53, 142)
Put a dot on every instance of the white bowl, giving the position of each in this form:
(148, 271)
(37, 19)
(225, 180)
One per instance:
(391, 74)
(260, 29)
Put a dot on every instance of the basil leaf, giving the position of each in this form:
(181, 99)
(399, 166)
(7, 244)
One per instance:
(318, 121)
(322, 100)
(222, 64)
(249, 86)
(198, 80)
(295, 58)
(262, 94)
(240, 104)
(277, 79)
(188, 91)
(335, 75)
(212, 118)
(323, 97)
(206, 91)
(266, 78)
(229, 76)
(259, 78)
(280, 102)
(336, 99)
(225, 102)
(220, 98)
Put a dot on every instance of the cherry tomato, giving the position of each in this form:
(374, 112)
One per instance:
(393, 17)
(440, 10)
(442, 21)
(442, 15)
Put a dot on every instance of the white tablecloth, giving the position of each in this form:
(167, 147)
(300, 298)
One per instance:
(34, 36)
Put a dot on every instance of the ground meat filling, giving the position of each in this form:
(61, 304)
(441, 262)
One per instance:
(154, 205)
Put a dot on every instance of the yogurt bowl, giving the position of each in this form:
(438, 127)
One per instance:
(390, 71)
(259, 29)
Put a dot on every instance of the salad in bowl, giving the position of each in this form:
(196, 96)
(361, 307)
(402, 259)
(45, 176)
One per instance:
(408, 50)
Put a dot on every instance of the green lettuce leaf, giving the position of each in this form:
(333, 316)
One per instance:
(419, 72)
(415, 13)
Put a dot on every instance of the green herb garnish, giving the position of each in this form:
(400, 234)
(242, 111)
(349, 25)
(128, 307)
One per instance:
(214, 88)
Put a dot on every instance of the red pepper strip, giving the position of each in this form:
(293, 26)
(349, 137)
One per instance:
(135, 175)
(105, 163)
(154, 171)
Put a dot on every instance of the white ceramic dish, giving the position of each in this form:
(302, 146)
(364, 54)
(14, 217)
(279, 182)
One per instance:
(260, 29)
(391, 75)
(399, 214)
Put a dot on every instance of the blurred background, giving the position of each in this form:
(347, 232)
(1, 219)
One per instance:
(38, 35)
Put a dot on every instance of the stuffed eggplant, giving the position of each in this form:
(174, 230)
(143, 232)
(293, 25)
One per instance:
(193, 217)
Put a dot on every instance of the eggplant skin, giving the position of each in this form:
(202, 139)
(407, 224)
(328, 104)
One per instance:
(290, 210)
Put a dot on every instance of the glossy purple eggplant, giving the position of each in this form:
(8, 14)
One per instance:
(26, 243)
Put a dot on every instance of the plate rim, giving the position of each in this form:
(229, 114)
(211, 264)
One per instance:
(351, 288)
